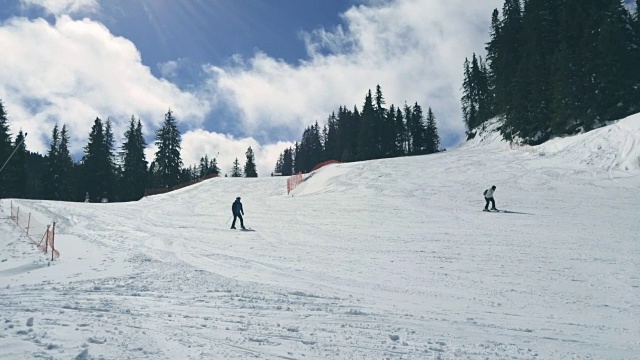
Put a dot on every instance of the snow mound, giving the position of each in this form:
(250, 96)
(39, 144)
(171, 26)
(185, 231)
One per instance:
(612, 147)
(371, 259)
(615, 146)
(487, 136)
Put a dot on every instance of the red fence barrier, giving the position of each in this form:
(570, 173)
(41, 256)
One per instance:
(297, 179)
(149, 192)
(328, 162)
(293, 182)
(34, 229)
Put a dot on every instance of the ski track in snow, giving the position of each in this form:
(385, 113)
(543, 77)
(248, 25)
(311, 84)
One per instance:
(382, 259)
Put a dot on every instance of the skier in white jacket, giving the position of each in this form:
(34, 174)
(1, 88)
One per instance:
(488, 196)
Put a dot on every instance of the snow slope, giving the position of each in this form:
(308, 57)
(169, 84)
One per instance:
(382, 259)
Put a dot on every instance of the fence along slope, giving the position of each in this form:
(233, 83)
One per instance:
(297, 179)
(41, 235)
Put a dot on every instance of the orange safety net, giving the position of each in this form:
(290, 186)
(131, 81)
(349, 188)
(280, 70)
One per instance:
(40, 235)
(293, 182)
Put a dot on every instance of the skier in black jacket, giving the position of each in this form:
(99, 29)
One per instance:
(237, 211)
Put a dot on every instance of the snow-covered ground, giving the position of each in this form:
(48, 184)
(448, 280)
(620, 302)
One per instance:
(372, 260)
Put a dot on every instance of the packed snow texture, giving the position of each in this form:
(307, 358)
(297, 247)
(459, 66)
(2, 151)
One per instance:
(371, 260)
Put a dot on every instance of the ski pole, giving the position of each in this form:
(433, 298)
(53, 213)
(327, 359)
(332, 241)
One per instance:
(229, 219)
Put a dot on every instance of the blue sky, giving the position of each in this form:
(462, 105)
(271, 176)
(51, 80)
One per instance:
(236, 73)
(207, 31)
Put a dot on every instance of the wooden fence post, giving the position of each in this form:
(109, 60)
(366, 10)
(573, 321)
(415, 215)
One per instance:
(53, 238)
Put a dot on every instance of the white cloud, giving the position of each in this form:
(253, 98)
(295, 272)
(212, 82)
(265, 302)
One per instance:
(169, 69)
(198, 143)
(413, 48)
(74, 71)
(61, 7)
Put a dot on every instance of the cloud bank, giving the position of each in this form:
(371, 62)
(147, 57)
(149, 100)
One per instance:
(413, 48)
(74, 71)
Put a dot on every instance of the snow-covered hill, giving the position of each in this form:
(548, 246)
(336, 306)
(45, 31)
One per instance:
(382, 259)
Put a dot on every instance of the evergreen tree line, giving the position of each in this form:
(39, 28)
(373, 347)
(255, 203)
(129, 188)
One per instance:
(555, 67)
(373, 133)
(103, 172)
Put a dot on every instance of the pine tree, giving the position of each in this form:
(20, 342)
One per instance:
(287, 162)
(401, 134)
(469, 112)
(417, 130)
(568, 71)
(51, 182)
(250, 165)
(97, 163)
(562, 91)
(204, 166)
(408, 119)
(556, 67)
(389, 136)
(486, 106)
(13, 156)
(637, 47)
(493, 51)
(187, 174)
(366, 136)
(153, 176)
(279, 162)
(236, 171)
(36, 166)
(5, 136)
(432, 139)
(379, 125)
(332, 143)
(112, 169)
(477, 102)
(397, 133)
(618, 60)
(348, 126)
(317, 150)
(637, 27)
(297, 158)
(18, 169)
(531, 107)
(508, 56)
(59, 181)
(6, 149)
(134, 162)
(168, 159)
(65, 168)
(518, 114)
(310, 151)
(213, 168)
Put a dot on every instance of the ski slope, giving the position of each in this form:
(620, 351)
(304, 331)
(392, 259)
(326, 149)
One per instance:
(372, 260)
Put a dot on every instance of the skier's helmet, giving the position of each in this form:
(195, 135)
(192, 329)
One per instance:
(238, 198)
(493, 187)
